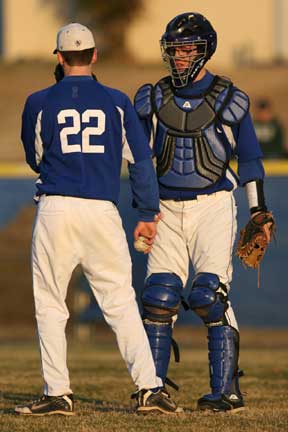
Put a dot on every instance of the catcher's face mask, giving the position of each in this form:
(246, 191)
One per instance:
(183, 60)
(188, 42)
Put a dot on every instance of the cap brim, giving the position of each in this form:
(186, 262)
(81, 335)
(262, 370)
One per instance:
(55, 51)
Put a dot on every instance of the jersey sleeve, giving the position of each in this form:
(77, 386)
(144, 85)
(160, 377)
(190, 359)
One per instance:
(141, 170)
(144, 187)
(248, 152)
(28, 133)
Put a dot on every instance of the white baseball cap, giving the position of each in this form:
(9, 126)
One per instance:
(74, 37)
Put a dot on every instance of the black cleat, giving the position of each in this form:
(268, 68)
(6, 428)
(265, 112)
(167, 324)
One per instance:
(48, 405)
(158, 402)
(221, 403)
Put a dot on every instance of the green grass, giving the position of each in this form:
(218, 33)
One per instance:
(102, 389)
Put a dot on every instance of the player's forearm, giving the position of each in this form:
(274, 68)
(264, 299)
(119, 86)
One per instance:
(144, 189)
(251, 175)
(30, 152)
(33, 166)
(30, 156)
(255, 195)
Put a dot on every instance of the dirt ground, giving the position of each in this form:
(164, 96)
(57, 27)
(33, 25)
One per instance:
(17, 80)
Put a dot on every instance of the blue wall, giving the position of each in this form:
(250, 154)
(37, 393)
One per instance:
(266, 306)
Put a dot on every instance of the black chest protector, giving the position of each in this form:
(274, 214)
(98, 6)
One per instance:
(198, 119)
(194, 132)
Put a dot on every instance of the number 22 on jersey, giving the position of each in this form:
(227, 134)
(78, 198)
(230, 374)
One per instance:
(86, 132)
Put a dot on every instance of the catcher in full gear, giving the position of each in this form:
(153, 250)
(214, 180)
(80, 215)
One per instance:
(196, 121)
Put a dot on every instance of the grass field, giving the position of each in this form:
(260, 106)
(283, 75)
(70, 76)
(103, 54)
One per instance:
(102, 387)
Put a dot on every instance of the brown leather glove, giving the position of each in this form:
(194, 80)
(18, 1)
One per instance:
(255, 237)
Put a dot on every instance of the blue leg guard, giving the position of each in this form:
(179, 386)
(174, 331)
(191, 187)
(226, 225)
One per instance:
(223, 343)
(160, 339)
(161, 300)
(223, 348)
(209, 299)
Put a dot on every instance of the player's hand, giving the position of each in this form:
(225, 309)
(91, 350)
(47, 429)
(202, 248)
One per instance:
(144, 235)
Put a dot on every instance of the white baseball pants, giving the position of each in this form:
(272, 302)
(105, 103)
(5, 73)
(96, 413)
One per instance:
(201, 230)
(69, 231)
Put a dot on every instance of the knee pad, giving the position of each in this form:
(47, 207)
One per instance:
(209, 299)
(161, 297)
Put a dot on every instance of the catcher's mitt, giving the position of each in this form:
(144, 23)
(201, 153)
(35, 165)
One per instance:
(254, 238)
(59, 72)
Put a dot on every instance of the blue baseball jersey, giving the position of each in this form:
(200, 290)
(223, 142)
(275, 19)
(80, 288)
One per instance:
(240, 140)
(75, 134)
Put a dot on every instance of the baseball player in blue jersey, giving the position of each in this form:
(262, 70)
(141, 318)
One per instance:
(196, 121)
(75, 134)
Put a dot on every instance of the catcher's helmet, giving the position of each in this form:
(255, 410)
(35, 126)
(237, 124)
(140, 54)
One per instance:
(185, 30)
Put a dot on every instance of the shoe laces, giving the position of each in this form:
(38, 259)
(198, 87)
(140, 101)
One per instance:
(39, 399)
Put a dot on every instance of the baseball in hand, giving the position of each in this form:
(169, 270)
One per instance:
(140, 245)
